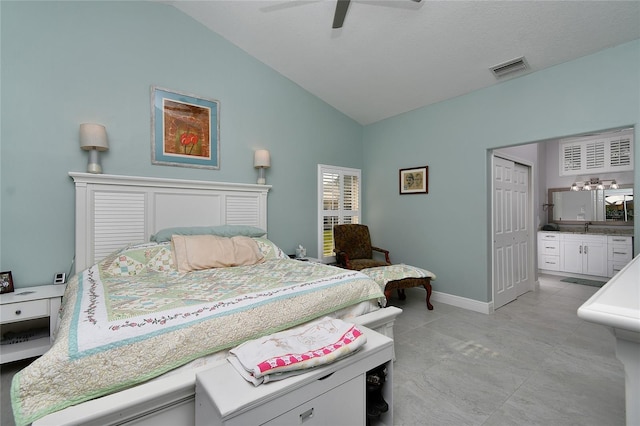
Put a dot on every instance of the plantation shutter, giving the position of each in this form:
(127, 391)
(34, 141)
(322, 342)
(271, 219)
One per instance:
(339, 202)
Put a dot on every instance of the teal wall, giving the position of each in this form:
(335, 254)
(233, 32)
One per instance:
(65, 63)
(448, 230)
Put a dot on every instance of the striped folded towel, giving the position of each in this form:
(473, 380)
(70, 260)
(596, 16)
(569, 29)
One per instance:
(295, 350)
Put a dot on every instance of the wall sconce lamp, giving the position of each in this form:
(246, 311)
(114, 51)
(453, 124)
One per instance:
(595, 183)
(261, 161)
(93, 138)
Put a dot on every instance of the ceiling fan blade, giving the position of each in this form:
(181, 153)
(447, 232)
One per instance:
(341, 12)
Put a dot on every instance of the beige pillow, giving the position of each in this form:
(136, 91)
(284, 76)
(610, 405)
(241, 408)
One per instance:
(194, 252)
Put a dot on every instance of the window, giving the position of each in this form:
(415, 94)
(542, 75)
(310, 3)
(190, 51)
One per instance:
(338, 203)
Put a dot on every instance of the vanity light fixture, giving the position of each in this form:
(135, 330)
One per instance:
(261, 161)
(595, 183)
(93, 138)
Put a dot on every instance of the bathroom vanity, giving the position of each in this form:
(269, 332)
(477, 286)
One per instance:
(583, 254)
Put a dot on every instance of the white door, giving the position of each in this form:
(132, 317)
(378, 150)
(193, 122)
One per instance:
(511, 229)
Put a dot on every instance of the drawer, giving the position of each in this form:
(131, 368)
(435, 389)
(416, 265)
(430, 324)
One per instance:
(620, 240)
(550, 263)
(615, 267)
(620, 253)
(21, 311)
(551, 248)
(342, 405)
(549, 236)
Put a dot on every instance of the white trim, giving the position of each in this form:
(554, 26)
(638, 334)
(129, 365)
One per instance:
(462, 302)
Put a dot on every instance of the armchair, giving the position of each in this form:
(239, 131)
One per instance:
(353, 247)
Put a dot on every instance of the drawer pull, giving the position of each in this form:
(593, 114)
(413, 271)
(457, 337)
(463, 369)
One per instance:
(620, 252)
(306, 415)
(327, 376)
(18, 311)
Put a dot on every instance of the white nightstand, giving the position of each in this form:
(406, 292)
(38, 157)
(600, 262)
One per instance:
(27, 310)
(332, 394)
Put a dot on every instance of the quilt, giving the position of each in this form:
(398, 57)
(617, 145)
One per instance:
(133, 317)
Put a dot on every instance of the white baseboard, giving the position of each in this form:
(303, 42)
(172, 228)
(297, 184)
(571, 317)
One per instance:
(463, 302)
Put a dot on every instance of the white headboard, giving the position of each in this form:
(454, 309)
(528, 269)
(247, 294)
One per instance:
(113, 211)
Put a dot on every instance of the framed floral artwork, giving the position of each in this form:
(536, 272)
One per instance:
(6, 282)
(185, 130)
(414, 181)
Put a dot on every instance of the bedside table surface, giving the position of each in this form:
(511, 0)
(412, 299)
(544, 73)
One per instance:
(26, 294)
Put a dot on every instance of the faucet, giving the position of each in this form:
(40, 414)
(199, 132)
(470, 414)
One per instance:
(586, 227)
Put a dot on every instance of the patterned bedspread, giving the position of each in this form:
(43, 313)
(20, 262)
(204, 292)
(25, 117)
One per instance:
(133, 317)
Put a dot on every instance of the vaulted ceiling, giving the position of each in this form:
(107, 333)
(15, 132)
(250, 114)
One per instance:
(393, 56)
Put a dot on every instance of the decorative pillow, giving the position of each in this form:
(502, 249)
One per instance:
(269, 249)
(136, 258)
(221, 231)
(194, 252)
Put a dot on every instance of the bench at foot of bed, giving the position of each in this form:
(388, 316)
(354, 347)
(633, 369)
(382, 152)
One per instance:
(404, 283)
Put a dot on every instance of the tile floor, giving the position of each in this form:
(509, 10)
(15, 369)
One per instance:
(532, 362)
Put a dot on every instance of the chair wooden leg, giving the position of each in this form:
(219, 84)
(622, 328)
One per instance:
(427, 286)
(402, 284)
(387, 295)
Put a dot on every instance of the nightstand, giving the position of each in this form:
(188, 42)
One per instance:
(29, 315)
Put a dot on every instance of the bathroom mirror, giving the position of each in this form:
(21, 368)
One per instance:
(598, 206)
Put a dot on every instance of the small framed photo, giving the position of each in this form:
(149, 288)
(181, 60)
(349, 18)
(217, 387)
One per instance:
(185, 130)
(6, 282)
(414, 181)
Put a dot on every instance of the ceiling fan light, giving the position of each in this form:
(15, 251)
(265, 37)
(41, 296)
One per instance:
(574, 187)
(614, 185)
(587, 186)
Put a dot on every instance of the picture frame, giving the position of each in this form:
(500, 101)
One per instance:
(414, 180)
(185, 129)
(6, 282)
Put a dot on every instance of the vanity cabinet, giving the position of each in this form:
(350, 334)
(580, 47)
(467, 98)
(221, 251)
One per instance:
(619, 253)
(549, 251)
(584, 254)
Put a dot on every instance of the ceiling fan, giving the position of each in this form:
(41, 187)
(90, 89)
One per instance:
(341, 11)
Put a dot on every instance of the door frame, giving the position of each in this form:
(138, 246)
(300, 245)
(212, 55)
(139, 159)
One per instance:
(531, 241)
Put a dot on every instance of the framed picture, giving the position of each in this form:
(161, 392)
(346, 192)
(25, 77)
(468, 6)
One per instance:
(6, 282)
(185, 130)
(414, 181)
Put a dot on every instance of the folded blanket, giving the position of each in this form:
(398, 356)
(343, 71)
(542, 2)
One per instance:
(292, 351)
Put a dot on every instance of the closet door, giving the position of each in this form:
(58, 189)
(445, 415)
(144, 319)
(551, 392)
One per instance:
(510, 230)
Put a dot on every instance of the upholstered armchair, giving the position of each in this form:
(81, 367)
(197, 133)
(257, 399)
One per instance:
(353, 248)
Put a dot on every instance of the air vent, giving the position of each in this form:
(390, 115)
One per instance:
(510, 67)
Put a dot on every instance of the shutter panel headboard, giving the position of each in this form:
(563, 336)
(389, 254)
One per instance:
(113, 211)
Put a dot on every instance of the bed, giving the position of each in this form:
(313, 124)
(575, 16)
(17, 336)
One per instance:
(134, 330)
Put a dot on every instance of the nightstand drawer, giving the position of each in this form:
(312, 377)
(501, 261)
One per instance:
(21, 311)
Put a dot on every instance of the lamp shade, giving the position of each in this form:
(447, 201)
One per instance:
(261, 159)
(93, 136)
